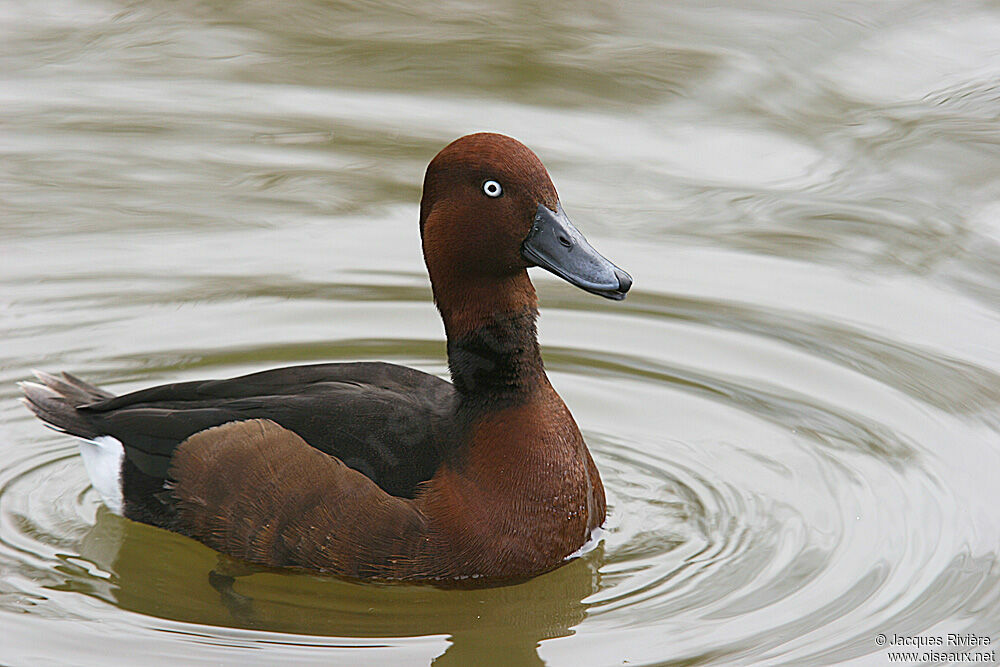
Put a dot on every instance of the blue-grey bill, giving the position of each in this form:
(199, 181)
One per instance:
(556, 245)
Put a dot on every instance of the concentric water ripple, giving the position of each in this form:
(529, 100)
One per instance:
(796, 412)
(794, 523)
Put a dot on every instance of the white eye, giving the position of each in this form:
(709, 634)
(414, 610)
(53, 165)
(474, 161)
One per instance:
(492, 189)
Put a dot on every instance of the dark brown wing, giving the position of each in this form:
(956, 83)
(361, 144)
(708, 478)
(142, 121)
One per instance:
(387, 421)
(259, 492)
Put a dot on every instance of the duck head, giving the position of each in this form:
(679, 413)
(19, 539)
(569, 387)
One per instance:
(489, 211)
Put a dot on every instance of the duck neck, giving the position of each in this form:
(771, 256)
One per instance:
(493, 348)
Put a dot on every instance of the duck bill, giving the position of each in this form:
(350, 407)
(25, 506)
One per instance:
(557, 246)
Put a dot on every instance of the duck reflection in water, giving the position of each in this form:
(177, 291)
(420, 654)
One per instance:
(163, 575)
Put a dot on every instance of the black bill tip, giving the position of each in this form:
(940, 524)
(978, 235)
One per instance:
(616, 293)
(624, 280)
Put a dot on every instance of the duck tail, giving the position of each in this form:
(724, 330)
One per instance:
(56, 399)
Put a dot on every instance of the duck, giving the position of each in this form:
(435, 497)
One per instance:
(373, 470)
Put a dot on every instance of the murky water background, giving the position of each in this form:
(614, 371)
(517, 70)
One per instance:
(796, 412)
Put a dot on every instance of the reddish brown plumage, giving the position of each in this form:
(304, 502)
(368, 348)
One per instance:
(523, 491)
(524, 496)
(472, 243)
(501, 480)
(257, 491)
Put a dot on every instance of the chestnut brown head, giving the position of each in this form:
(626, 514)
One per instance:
(489, 211)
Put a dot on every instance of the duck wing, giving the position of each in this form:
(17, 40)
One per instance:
(390, 423)
(291, 506)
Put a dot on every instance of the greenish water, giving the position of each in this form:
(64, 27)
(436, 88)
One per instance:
(796, 413)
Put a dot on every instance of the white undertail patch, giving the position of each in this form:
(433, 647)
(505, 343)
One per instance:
(102, 457)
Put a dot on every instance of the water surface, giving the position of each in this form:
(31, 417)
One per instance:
(796, 412)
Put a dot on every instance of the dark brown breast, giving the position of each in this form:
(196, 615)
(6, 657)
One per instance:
(525, 496)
